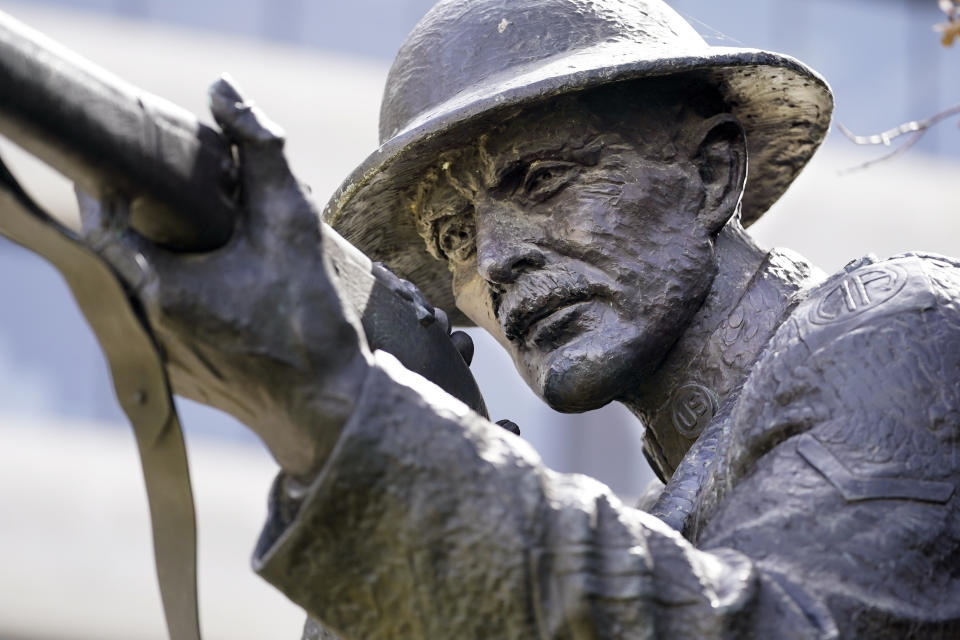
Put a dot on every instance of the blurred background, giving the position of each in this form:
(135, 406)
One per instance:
(73, 517)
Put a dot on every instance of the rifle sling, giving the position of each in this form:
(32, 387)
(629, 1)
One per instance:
(141, 385)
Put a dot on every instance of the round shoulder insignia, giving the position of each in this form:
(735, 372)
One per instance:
(858, 291)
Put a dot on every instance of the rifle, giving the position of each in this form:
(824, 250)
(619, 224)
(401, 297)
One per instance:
(179, 177)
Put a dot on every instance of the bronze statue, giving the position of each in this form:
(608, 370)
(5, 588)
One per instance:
(575, 177)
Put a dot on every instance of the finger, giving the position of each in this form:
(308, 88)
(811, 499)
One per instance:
(271, 195)
(241, 119)
(464, 345)
(510, 426)
(259, 139)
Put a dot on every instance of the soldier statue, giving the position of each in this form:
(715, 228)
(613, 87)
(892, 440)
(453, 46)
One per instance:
(576, 177)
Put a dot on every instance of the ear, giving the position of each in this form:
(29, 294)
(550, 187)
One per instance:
(719, 151)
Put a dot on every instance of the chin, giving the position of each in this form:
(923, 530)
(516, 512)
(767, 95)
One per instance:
(586, 374)
(569, 392)
(600, 366)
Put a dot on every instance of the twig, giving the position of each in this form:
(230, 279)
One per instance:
(916, 127)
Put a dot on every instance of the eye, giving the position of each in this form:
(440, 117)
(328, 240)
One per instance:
(546, 177)
(456, 238)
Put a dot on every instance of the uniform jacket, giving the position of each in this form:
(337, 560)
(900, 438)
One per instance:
(820, 501)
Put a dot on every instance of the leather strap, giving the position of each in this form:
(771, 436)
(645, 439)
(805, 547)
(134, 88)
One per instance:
(141, 385)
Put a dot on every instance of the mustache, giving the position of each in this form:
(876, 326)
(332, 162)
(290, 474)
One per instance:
(537, 294)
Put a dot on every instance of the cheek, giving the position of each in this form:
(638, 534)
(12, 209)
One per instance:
(617, 219)
(671, 282)
(473, 299)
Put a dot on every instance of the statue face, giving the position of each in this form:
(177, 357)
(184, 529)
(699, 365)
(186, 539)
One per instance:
(579, 248)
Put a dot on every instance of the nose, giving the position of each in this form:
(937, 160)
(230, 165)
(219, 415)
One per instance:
(506, 246)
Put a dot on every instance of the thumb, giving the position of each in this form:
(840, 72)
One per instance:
(260, 141)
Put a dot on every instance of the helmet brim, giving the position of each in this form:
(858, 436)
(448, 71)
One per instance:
(783, 105)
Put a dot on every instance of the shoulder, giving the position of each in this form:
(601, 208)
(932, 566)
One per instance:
(871, 320)
(907, 298)
(867, 291)
(869, 360)
(910, 301)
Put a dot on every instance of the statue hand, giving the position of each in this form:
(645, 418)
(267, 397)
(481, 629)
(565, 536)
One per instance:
(255, 328)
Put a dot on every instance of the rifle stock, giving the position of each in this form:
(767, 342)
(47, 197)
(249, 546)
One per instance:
(107, 135)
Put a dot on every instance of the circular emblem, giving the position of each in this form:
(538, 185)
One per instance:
(693, 408)
(859, 291)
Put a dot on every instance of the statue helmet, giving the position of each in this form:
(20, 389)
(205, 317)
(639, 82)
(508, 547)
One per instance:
(469, 64)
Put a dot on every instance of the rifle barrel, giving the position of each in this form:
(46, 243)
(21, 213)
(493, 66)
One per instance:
(108, 136)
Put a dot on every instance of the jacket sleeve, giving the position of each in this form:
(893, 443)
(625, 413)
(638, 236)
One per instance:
(428, 521)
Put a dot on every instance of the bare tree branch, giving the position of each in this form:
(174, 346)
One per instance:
(915, 128)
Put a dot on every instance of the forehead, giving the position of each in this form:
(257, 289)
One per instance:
(562, 124)
(570, 127)
(566, 124)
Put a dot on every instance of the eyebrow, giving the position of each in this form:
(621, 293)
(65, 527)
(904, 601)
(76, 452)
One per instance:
(586, 155)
